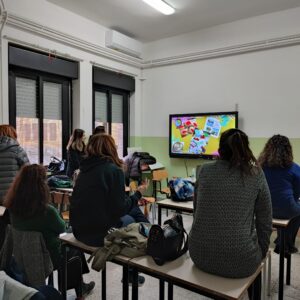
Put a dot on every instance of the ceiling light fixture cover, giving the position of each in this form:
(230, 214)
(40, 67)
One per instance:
(161, 6)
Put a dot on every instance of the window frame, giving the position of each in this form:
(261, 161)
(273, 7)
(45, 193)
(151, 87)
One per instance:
(109, 91)
(40, 78)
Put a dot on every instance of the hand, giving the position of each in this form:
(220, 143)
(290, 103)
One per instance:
(144, 186)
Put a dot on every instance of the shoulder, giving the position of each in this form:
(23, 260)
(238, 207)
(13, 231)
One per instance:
(51, 211)
(295, 168)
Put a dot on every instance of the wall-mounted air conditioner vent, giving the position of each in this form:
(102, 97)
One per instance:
(120, 42)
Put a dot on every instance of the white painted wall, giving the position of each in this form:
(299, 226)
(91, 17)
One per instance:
(54, 17)
(264, 84)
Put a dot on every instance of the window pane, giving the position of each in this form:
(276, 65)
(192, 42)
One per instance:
(27, 124)
(101, 110)
(52, 121)
(117, 122)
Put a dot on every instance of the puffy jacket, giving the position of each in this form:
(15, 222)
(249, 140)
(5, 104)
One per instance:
(12, 157)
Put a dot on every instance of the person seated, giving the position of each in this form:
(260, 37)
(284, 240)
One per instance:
(232, 224)
(283, 177)
(75, 151)
(27, 201)
(99, 201)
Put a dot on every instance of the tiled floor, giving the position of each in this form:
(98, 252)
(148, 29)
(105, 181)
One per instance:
(149, 291)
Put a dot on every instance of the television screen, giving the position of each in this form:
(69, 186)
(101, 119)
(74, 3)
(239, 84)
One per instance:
(198, 135)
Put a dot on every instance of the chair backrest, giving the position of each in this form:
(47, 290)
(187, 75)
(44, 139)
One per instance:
(60, 198)
(30, 253)
(133, 186)
(159, 175)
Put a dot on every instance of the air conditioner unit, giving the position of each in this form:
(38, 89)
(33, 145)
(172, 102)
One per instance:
(120, 42)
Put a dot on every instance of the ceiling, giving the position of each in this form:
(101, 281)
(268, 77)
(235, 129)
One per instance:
(138, 20)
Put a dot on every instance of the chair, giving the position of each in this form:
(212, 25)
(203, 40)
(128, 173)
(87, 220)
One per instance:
(158, 176)
(30, 254)
(62, 200)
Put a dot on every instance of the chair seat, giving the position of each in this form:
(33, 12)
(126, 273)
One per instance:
(65, 215)
(165, 191)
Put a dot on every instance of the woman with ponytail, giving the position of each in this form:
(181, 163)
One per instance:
(283, 177)
(232, 212)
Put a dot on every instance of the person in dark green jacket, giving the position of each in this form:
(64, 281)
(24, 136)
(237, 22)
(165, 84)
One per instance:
(27, 201)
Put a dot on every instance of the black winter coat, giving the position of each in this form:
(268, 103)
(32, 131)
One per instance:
(98, 200)
(12, 157)
(74, 159)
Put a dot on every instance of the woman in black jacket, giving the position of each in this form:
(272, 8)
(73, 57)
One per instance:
(99, 201)
(75, 149)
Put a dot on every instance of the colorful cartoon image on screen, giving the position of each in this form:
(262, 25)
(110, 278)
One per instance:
(198, 135)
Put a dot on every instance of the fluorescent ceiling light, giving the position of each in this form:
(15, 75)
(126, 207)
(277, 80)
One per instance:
(161, 6)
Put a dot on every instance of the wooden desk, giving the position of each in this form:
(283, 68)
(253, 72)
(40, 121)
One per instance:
(68, 240)
(277, 223)
(182, 272)
(187, 206)
(70, 190)
(282, 225)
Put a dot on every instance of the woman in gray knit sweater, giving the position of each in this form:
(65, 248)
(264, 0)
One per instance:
(232, 211)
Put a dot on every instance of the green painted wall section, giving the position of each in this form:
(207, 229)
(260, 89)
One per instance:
(158, 147)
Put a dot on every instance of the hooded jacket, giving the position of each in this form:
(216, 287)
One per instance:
(98, 200)
(12, 157)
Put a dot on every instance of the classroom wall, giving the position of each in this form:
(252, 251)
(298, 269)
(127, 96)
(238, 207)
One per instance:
(263, 85)
(215, 69)
(44, 26)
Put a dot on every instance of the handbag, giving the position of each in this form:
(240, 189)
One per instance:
(56, 166)
(167, 242)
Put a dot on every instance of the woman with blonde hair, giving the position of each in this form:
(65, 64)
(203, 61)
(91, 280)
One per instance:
(75, 148)
(283, 177)
(99, 201)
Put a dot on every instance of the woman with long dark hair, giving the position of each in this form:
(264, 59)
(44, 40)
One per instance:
(283, 177)
(232, 212)
(75, 148)
(28, 203)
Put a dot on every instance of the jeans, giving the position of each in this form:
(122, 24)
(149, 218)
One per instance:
(135, 215)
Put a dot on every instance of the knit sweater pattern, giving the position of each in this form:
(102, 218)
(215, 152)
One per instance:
(232, 221)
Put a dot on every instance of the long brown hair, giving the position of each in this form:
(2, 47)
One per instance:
(29, 194)
(277, 152)
(103, 145)
(8, 130)
(76, 140)
(234, 147)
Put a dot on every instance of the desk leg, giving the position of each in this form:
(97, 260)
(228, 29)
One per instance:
(288, 270)
(281, 263)
(125, 282)
(161, 289)
(159, 214)
(135, 284)
(103, 278)
(170, 291)
(63, 277)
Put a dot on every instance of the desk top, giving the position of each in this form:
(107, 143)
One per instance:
(2, 210)
(69, 238)
(183, 270)
(186, 206)
(280, 222)
(70, 190)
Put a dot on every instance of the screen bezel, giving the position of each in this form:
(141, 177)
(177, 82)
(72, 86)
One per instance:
(186, 155)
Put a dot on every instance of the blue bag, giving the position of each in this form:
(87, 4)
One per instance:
(181, 189)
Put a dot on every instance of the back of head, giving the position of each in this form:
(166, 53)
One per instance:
(277, 152)
(76, 140)
(28, 195)
(234, 148)
(8, 130)
(99, 129)
(103, 145)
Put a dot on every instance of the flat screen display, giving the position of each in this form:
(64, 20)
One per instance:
(198, 135)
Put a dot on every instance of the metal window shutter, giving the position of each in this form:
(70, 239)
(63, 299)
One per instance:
(52, 101)
(26, 90)
(117, 109)
(100, 107)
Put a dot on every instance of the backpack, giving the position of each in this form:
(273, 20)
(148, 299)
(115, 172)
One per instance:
(56, 166)
(136, 162)
(181, 189)
(60, 181)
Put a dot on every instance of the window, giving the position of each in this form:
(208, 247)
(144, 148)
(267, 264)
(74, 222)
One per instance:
(39, 108)
(111, 110)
